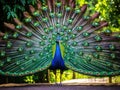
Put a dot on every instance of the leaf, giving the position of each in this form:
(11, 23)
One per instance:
(18, 7)
(11, 14)
(6, 8)
(8, 15)
(23, 2)
(33, 2)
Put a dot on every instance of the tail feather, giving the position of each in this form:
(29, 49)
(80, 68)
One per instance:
(32, 9)
(39, 5)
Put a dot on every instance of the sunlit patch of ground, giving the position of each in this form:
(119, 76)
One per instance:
(94, 80)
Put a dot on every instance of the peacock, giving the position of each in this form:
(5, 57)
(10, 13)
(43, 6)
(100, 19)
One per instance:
(58, 34)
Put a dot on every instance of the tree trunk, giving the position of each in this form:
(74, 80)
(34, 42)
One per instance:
(74, 77)
(110, 79)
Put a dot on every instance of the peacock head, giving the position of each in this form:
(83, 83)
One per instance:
(58, 38)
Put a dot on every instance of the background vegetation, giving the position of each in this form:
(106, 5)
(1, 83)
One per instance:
(109, 9)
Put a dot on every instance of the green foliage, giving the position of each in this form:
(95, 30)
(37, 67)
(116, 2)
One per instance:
(109, 10)
(30, 79)
(13, 7)
(67, 75)
(116, 79)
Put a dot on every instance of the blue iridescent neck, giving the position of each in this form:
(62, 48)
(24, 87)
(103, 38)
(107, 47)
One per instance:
(57, 62)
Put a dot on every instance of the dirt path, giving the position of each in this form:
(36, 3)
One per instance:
(60, 87)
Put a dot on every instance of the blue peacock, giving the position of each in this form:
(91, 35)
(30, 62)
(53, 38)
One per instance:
(58, 34)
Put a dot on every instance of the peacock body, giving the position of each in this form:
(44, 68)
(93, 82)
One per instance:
(59, 35)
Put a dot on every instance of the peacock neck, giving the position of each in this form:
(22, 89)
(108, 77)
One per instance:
(57, 62)
(58, 51)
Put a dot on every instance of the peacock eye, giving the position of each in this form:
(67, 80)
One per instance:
(2, 53)
(51, 28)
(18, 63)
(85, 44)
(27, 20)
(46, 49)
(113, 56)
(26, 57)
(22, 68)
(42, 43)
(29, 44)
(73, 36)
(44, 8)
(15, 35)
(65, 38)
(46, 30)
(64, 27)
(41, 54)
(18, 27)
(45, 19)
(118, 36)
(79, 28)
(29, 34)
(9, 44)
(77, 10)
(34, 59)
(58, 4)
(1, 64)
(36, 13)
(108, 32)
(81, 53)
(61, 33)
(58, 25)
(53, 42)
(98, 48)
(6, 36)
(52, 15)
(59, 15)
(74, 43)
(69, 31)
(86, 17)
(20, 49)
(32, 51)
(88, 59)
(36, 24)
(96, 55)
(86, 34)
(70, 21)
(112, 47)
(98, 38)
(8, 59)
(68, 8)
(44, 37)
(95, 24)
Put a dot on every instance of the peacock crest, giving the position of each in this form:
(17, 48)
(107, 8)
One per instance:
(30, 45)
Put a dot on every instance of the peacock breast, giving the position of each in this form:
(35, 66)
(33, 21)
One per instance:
(58, 62)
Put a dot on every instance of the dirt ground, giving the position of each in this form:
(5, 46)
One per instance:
(59, 87)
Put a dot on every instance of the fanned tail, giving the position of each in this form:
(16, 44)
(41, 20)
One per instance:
(28, 46)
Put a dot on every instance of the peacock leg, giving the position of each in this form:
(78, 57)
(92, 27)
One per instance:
(61, 72)
(54, 71)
